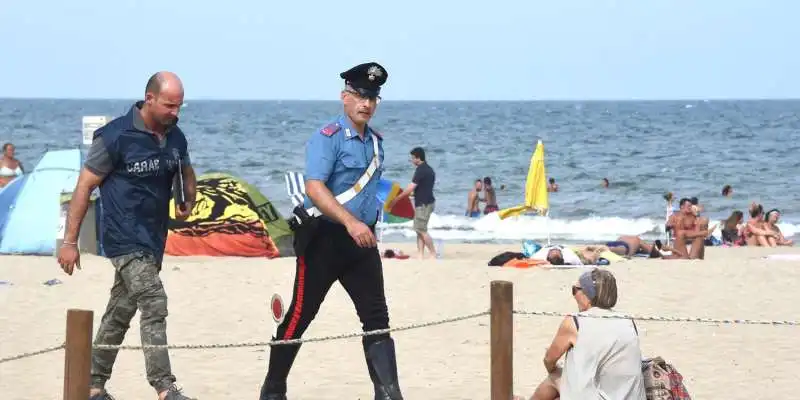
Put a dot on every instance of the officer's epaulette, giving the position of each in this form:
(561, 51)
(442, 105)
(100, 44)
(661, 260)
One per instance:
(331, 128)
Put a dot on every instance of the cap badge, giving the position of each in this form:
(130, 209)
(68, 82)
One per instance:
(373, 72)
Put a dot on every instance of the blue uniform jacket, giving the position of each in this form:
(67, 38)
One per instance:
(338, 156)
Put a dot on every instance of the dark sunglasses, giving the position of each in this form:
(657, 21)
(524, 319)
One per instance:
(576, 289)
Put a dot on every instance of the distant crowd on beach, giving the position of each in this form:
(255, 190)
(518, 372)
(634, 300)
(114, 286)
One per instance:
(761, 228)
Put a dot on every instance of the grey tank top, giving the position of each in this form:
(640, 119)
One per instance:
(606, 361)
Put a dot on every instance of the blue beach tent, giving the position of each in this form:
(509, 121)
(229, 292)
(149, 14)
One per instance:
(30, 205)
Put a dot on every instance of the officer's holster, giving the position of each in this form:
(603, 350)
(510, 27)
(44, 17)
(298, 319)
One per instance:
(304, 227)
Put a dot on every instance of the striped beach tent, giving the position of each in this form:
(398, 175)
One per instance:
(295, 187)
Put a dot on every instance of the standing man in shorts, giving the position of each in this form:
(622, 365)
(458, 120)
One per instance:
(422, 187)
(133, 160)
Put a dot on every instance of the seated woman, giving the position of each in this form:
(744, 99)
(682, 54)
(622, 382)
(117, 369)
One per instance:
(603, 358)
(771, 224)
(732, 229)
(754, 232)
(10, 167)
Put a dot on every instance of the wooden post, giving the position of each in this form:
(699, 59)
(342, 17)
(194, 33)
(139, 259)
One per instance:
(502, 340)
(78, 354)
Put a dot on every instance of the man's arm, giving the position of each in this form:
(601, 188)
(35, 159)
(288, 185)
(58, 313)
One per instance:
(189, 184)
(325, 202)
(321, 152)
(410, 188)
(470, 201)
(755, 229)
(406, 192)
(189, 179)
(97, 166)
(691, 233)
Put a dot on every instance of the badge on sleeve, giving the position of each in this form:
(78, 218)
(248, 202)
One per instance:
(330, 129)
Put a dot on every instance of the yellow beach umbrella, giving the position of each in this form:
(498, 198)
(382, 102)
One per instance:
(536, 196)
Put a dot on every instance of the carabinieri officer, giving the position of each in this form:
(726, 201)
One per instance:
(335, 235)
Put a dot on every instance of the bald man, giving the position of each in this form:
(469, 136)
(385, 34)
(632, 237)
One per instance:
(135, 161)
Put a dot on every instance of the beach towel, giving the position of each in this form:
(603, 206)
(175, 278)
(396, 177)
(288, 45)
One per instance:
(524, 263)
(502, 258)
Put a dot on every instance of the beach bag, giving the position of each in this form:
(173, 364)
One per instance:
(662, 381)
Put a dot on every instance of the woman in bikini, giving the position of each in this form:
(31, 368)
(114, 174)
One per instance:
(10, 167)
(771, 224)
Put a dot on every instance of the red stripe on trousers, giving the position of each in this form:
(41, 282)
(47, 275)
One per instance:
(298, 300)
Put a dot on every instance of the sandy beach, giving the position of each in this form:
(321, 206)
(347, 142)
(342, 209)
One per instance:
(216, 300)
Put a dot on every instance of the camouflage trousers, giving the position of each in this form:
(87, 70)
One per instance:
(137, 286)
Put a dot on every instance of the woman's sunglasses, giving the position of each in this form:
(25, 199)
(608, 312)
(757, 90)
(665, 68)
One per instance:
(576, 289)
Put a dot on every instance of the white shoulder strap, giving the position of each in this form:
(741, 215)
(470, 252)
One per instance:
(351, 193)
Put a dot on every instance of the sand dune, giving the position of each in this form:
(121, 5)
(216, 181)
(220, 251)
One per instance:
(225, 301)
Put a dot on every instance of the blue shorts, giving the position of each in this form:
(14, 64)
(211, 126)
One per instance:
(619, 243)
(474, 214)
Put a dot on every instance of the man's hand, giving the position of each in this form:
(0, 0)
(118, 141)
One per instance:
(393, 203)
(69, 257)
(361, 234)
(182, 211)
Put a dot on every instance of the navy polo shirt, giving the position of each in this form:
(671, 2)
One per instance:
(138, 170)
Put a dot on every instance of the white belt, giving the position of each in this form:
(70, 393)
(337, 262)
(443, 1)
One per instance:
(351, 193)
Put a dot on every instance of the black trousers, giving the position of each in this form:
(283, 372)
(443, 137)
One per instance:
(330, 256)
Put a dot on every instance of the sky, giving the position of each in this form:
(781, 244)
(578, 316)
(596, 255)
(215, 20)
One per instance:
(432, 50)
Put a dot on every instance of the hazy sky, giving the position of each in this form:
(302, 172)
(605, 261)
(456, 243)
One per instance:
(433, 50)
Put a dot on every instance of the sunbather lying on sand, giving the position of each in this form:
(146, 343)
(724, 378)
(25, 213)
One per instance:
(629, 246)
(557, 255)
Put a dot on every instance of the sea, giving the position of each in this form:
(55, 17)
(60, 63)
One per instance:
(644, 148)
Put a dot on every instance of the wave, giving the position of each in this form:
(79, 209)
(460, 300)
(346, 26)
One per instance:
(491, 228)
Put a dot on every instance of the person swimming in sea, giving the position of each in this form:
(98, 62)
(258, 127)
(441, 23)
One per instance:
(473, 200)
(490, 196)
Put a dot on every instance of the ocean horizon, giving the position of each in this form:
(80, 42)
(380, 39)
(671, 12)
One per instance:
(691, 147)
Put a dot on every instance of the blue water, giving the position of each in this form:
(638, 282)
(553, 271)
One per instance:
(692, 148)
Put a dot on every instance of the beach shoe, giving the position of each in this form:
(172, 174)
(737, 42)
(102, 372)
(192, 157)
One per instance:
(101, 396)
(174, 393)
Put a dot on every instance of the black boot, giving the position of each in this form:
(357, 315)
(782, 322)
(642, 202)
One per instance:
(382, 366)
(273, 391)
(281, 359)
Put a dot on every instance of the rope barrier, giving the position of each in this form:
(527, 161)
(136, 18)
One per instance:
(409, 327)
(262, 343)
(32, 353)
(665, 319)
